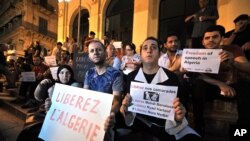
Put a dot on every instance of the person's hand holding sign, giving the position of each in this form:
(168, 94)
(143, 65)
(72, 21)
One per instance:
(226, 56)
(180, 110)
(109, 122)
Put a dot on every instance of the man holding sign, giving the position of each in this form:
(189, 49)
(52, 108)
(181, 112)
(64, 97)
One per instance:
(104, 78)
(224, 84)
(159, 89)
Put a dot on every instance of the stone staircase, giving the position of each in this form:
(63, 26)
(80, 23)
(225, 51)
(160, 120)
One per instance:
(8, 95)
(219, 114)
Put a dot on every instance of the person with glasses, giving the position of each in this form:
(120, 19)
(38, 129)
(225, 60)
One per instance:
(131, 60)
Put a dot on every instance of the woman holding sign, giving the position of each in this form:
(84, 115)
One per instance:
(43, 93)
(152, 74)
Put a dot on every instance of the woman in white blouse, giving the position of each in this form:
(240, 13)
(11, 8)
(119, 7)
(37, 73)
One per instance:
(131, 61)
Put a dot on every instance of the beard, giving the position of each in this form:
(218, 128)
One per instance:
(100, 62)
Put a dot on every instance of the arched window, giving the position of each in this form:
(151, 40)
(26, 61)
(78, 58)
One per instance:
(119, 20)
(172, 14)
(84, 24)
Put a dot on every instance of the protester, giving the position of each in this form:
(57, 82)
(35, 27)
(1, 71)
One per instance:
(104, 78)
(240, 35)
(112, 59)
(151, 73)
(43, 93)
(171, 60)
(131, 60)
(225, 84)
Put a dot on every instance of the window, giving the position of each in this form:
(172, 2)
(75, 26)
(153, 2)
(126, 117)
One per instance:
(43, 26)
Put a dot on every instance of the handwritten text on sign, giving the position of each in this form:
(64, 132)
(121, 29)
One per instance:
(201, 60)
(76, 114)
(153, 100)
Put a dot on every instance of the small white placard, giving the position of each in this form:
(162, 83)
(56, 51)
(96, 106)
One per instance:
(153, 100)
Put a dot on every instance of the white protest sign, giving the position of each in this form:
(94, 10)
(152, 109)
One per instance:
(53, 71)
(153, 100)
(201, 60)
(117, 44)
(50, 60)
(28, 76)
(76, 114)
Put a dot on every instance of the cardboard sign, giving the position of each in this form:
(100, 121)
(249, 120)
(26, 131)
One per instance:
(50, 60)
(53, 71)
(153, 100)
(28, 76)
(81, 64)
(76, 114)
(201, 60)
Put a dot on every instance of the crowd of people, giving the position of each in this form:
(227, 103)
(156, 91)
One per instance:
(113, 75)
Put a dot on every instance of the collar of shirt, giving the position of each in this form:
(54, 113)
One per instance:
(160, 76)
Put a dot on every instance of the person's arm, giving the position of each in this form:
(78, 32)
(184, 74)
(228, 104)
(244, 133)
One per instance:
(41, 90)
(204, 18)
(246, 46)
(242, 64)
(230, 39)
(225, 89)
(173, 127)
(116, 102)
(128, 116)
(187, 19)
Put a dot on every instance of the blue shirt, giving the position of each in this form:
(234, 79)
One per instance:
(107, 82)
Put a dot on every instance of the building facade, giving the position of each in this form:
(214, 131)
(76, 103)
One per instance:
(134, 20)
(26, 21)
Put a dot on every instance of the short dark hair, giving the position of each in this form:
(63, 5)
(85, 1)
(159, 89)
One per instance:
(152, 38)
(97, 41)
(59, 43)
(169, 35)
(218, 28)
(241, 17)
(91, 33)
(132, 46)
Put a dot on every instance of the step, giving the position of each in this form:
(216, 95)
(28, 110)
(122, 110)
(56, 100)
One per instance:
(5, 101)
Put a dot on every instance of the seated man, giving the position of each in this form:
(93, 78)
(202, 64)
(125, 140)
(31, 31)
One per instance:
(226, 82)
(240, 35)
(106, 79)
(39, 68)
(152, 73)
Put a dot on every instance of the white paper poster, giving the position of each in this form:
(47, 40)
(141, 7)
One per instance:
(201, 60)
(153, 100)
(28, 76)
(53, 71)
(76, 114)
(50, 60)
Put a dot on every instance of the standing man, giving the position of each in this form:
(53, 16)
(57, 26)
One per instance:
(240, 35)
(57, 51)
(150, 72)
(205, 17)
(104, 78)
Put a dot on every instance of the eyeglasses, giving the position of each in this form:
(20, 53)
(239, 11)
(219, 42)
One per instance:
(128, 49)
